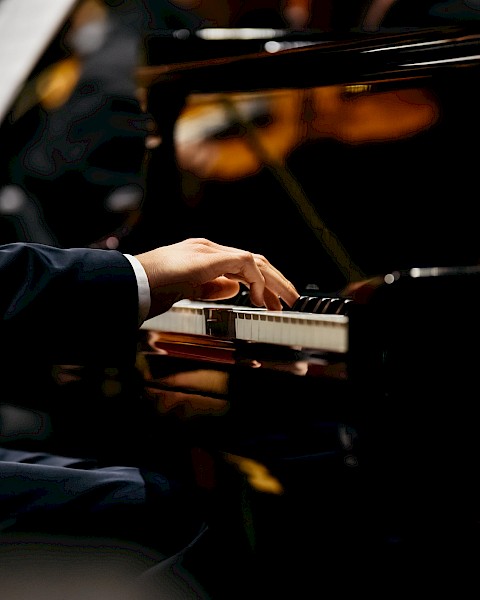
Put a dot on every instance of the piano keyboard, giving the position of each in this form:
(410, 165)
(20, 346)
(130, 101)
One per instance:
(326, 332)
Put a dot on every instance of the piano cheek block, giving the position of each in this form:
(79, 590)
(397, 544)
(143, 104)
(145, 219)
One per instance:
(220, 323)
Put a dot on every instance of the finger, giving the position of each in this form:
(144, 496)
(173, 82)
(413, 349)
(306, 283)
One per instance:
(236, 264)
(256, 289)
(276, 282)
(246, 270)
(256, 272)
(275, 287)
(272, 301)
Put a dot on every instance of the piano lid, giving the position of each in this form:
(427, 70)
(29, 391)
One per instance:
(26, 29)
(329, 59)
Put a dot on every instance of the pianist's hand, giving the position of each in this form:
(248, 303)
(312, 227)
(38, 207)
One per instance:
(199, 269)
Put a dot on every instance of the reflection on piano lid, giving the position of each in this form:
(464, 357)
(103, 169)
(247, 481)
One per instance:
(326, 332)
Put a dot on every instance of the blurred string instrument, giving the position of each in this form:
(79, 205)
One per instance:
(242, 132)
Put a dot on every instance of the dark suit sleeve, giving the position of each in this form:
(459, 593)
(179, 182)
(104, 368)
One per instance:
(67, 306)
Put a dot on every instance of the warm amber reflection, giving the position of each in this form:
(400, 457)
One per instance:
(205, 147)
(227, 137)
(256, 473)
(185, 405)
(187, 394)
(353, 117)
(55, 84)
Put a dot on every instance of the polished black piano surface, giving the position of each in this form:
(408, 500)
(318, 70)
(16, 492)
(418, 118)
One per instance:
(368, 455)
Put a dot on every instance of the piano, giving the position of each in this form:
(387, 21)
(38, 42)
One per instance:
(365, 439)
(363, 421)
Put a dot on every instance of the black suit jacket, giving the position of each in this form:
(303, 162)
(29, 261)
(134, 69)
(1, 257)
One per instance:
(67, 306)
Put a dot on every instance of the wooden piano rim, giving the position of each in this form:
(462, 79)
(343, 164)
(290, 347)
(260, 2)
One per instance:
(188, 345)
(210, 349)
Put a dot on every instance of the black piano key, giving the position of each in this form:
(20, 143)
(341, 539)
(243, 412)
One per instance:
(345, 306)
(243, 298)
(304, 304)
(321, 306)
(333, 306)
(299, 305)
(311, 304)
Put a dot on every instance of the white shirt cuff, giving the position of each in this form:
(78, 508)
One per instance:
(143, 288)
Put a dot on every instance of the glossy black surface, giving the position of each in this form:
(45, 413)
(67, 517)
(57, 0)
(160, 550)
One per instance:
(370, 457)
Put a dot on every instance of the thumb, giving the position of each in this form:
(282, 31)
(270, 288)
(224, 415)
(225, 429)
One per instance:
(220, 288)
